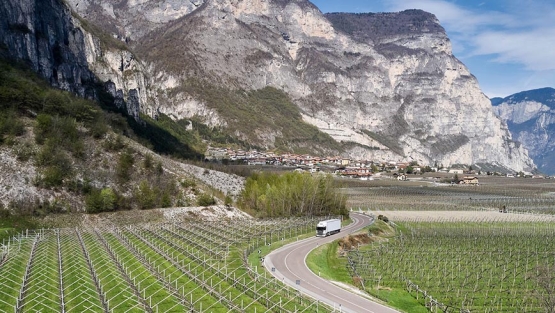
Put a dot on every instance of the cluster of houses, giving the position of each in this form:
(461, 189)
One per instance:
(254, 157)
(341, 166)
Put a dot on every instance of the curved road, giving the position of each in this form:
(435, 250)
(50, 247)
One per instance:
(288, 265)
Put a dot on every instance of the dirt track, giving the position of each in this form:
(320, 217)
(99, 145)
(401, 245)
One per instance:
(460, 216)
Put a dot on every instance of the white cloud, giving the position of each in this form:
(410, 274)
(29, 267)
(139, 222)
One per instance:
(534, 49)
(523, 34)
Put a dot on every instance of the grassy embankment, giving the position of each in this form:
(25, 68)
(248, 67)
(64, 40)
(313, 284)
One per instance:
(11, 225)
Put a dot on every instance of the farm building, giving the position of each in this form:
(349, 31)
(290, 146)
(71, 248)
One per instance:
(469, 181)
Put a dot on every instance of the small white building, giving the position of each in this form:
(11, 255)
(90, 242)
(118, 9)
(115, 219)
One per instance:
(469, 180)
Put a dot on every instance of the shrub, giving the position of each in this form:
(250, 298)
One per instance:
(36, 207)
(147, 162)
(43, 124)
(52, 176)
(159, 169)
(182, 202)
(93, 203)
(98, 128)
(46, 154)
(108, 199)
(82, 186)
(65, 133)
(145, 196)
(23, 206)
(24, 152)
(4, 213)
(123, 203)
(55, 102)
(125, 163)
(56, 166)
(228, 201)
(205, 199)
(10, 125)
(166, 201)
(60, 131)
(56, 207)
(186, 183)
(101, 200)
(383, 218)
(114, 143)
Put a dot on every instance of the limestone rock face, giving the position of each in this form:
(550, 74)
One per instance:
(43, 35)
(132, 19)
(386, 82)
(66, 51)
(530, 116)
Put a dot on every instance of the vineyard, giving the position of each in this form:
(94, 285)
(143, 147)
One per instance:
(182, 266)
(537, 196)
(462, 266)
(454, 251)
(460, 249)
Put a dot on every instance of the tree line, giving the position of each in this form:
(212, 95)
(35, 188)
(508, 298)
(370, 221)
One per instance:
(291, 194)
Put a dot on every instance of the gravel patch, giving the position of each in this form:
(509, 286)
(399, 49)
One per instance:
(216, 212)
(229, 184)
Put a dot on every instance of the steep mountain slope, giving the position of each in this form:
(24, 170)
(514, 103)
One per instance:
(396, 93)
(530, 116)
(61, 153)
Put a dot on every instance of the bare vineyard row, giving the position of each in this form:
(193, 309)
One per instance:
(462, 266)
(181, 266)
(453, 198)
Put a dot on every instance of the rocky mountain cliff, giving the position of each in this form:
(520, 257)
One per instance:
(385, 86)
(71, 53)
(530, 116)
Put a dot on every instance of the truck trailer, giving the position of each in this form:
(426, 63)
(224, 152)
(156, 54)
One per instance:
(328, 227)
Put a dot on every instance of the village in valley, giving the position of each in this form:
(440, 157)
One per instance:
(355, 169)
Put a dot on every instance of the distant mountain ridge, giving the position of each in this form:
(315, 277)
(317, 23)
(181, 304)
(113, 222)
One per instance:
(544, 95)
(530, 117)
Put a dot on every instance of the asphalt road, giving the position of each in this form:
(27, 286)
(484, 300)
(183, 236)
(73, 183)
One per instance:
(288, 265)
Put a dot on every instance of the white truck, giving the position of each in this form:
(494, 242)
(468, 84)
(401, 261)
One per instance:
(328, 227)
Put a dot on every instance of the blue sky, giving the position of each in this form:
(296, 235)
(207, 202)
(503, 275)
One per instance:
(509, 45)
